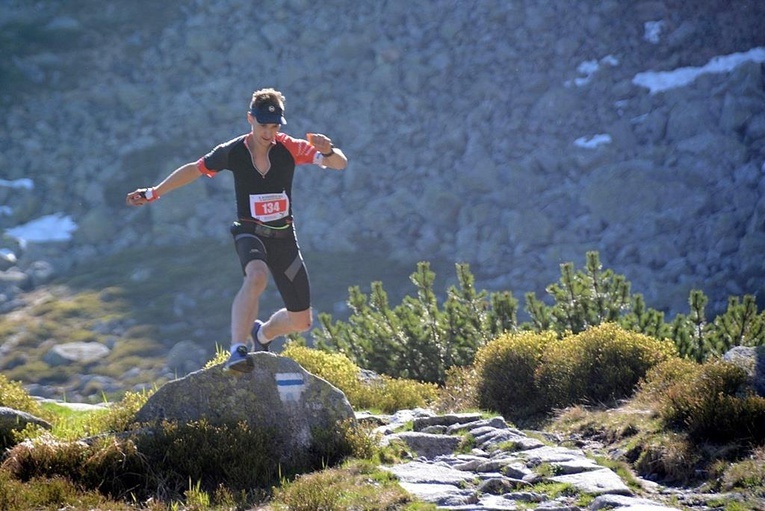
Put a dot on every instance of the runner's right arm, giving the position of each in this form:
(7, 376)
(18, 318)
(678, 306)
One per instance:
(181, 176)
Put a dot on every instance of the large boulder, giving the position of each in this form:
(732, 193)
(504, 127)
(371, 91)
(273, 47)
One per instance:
(278, 396)
(186, 356)
(75, 352)
(15, 420)
(752, 360)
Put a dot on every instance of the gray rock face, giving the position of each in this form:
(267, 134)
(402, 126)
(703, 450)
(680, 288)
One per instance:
(278, 395)
(494, 178)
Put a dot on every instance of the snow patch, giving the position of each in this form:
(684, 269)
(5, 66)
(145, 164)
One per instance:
(588, 68)
(593, 142)
(56, 227)
(660, 81)
(24, 183)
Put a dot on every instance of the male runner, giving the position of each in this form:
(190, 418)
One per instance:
(263, 163)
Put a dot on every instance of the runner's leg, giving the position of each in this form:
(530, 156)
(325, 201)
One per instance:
(284, 322)
(291, 279)
(244, 309)
(252, 255)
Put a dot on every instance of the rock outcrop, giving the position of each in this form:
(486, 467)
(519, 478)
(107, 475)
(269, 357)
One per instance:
(752, 360)
(278, 396)
(461, 461)
(15, 420)
(501, 469)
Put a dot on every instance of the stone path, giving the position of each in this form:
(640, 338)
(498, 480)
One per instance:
(500, 468)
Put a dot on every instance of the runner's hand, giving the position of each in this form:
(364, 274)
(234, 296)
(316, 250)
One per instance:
(141, 196)
(321, 142)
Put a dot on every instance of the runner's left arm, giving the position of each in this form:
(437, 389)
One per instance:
(332, 156)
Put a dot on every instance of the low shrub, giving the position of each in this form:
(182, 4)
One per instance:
(13, 395)
(379, 393)
(356, 485)
(193, 461)
(336, 368)
(45, 456)
(235, 455)
(312, 491)
(599, 365)
(392, 394)
(710, 402)
(506, 369)
(110, 466)
(522, 375)
(49, 493)
(670, 458)
(746, 475)
(662, 377)
(119, 416)
(162, 462)
(460, 391)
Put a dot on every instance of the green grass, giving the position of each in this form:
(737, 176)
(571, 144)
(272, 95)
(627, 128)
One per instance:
(60, 314)
(73, 424)
(555, 490)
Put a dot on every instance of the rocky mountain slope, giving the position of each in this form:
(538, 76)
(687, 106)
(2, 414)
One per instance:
(511, 135)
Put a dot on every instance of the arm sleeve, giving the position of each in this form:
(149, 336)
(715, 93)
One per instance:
(204, 169)
(301, 150)
(216, 160)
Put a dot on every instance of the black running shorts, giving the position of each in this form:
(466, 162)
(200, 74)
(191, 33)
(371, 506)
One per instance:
(283, 258)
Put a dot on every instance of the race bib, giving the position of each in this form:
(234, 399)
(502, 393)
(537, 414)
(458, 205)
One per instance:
(268, 207)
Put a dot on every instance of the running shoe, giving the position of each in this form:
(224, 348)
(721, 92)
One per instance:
(257, 345)
(239, 361)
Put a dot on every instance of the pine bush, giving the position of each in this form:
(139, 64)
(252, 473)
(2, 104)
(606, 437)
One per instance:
(583, 298)
(591, 296)
(421, 338)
